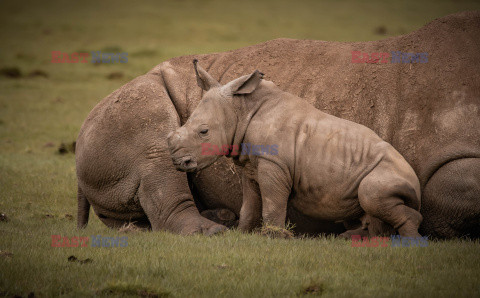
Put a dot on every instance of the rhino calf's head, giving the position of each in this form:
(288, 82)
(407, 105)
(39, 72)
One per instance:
(214, 121)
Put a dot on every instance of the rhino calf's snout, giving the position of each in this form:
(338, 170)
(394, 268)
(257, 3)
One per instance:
(185, 163)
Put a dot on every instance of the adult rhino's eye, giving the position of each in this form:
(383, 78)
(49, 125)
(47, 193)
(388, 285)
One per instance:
(204, 131)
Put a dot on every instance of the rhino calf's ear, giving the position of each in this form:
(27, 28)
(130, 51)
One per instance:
(244, 85)
(204, 79)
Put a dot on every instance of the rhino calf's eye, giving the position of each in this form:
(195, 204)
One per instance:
(204, 131)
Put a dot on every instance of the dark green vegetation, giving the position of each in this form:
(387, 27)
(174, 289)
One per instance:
(43, 105)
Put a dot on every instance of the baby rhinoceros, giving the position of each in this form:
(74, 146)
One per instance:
(325, 167)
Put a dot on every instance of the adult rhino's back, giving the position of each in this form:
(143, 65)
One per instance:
(428, 111)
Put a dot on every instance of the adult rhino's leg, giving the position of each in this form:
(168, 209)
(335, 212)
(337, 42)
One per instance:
(451, 200)
(166, 199)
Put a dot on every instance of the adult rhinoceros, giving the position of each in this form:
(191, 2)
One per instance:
(430, 112)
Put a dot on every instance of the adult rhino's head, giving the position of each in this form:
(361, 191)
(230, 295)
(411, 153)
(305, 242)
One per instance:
(213, 123)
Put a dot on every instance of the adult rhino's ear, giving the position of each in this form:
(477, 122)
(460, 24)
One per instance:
(204, 80)
(244, 85)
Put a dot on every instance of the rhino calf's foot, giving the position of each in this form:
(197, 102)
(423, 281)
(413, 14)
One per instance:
(392, 211)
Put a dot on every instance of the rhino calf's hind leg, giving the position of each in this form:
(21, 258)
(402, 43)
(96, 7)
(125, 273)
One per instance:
(385, 196)
(367, 226)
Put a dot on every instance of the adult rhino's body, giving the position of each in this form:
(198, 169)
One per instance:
(430, 112)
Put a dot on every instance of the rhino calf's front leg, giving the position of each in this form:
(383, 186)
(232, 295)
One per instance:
(251, 211)
(275, 187)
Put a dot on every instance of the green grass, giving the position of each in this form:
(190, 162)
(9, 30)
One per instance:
(35, 181)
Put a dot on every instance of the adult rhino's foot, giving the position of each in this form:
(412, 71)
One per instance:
(201, 225)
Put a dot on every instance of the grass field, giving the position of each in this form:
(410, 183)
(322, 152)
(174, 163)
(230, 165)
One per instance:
(38, 185)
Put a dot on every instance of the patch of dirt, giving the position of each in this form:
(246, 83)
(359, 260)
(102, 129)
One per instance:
(115, 75)
(3, 217)
(11, 72)
(65, 148)
(69, 216)
(314, 289)
(75, 259)
(222, 266)
(49, 144)
(37, 73)
(6, 254)
(144, 293)
(25, 57)
(380, 30)
(131, 290)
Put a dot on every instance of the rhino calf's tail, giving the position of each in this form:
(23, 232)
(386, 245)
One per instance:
(83, 210)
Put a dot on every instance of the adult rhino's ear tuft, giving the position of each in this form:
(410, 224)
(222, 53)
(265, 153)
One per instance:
(244, 85)
(204, 79)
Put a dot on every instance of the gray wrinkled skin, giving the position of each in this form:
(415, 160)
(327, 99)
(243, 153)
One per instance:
(429, 112)
(325, 167)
